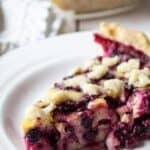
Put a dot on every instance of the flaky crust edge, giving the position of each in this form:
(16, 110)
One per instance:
(137, 39)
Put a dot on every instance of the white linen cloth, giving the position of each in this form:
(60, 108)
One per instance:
(25, 21)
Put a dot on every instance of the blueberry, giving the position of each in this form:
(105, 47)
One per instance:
(86, 121)
(70, 132)
(53, 137)
(34, 135)
(112, 103)
(90, 135)
(66, 107)
(122, 132)
(121, 137)
(139, 130)
(81, 106)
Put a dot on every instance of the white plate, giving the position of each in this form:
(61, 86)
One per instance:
(31, 77)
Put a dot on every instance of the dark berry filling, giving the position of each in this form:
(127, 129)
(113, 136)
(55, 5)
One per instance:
(86, 121)
(138, 129)
(95, 81)
(90, 135)
(81, 106)
(62, 87)
(70, 132)
(39, 138)
(66, 107)
(112, 103)
(125, 52)
(122, 132)
(70, 106)
(34, 135)
(53, 137)
(142, 125)
(131, 136)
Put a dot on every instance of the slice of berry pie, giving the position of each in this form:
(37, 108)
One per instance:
(102, 104)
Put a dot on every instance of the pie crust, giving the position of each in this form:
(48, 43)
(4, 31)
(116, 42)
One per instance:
(127, 36)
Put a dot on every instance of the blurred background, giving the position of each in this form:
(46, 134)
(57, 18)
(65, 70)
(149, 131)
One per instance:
(26, 21)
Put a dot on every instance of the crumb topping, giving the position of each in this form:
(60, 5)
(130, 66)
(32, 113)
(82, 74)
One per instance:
(128, 66)
(110, 61)
(98, 71)
(113, 87)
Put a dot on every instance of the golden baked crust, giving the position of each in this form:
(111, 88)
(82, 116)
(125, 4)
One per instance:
(130, 37)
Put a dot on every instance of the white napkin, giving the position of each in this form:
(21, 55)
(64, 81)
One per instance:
(25, 21)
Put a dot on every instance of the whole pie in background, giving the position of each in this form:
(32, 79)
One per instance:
(83, 6)
(102, 104)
